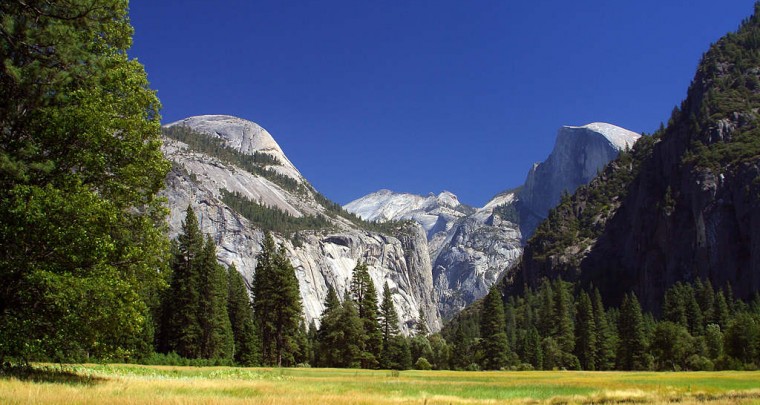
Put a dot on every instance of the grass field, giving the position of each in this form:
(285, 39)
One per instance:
(128, 384)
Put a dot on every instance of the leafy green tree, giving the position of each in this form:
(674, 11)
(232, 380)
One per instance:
(585, 346)
(419, 346)
(714, 341)
(532, 350)
(81, 227)
(741, 338)
(632, 348)
(671, 346)
(364, 294)
(276, 304)
(241, 319)
(441, 352)
(217, 341)
(494, 344)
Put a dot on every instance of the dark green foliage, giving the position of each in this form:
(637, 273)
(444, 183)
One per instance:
(217, 340)
(631, 353)
(507, 212)
(81, 226)
(441, 352)
(272, 219)
(364, 294)
(276, 304)
(741, 338)
(671, 346)
(586, 345)
(393, 352)
(181, 328)
(329, 336)
(241, 320)
(419, 347)
(421, 327)
(606, 339)
(494, 344)
(351, 326)
(604, 354)
(195, 320)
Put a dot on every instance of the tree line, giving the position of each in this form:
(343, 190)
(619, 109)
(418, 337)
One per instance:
(562, 326)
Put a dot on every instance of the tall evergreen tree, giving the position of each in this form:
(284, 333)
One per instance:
(352, 335)
(365, 295)
(276, 304)
(217, 337)
(494, 342)
(604, 352)
(241, 318)
(421, 328)
(181, 328)
(585, 346)
(533, 353)
(563, 316)
(329, 336)
(633, 344)
(396, 353)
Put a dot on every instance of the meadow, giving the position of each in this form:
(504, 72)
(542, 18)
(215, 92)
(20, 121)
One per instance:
(134, 384)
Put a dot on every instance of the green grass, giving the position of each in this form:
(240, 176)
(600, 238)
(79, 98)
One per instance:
(229, 385)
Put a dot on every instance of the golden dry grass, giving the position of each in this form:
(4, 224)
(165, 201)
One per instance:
(129, 384)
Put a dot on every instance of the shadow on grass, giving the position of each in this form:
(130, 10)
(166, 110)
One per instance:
(48, 374)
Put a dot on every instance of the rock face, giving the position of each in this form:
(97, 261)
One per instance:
(579, 154)
(321, 258)
(684, 206)
(471, 248)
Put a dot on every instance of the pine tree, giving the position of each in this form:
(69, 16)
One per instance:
(421, 328)
(563, 316)
(276, 303)
(329, 336)
(364, 294)
(395, 349)
(604, 353)
(181, 329)
(241, 318)
(494, 342)
(633, 344)
(721, 312)
(352, 335)
(217, 337)
(533, 354)
(585, 346)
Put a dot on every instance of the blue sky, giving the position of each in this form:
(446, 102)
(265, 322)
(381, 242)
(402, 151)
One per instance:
(425, 96)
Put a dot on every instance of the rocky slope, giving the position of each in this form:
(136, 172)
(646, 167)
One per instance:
(471, 248)
(684, 205)
(322, 257)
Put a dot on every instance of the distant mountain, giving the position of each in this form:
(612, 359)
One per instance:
(471, 248)
(684, 205)
(579, 154)
(240, 182)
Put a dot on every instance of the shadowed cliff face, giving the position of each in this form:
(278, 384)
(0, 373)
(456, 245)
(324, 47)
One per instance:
(685, 205)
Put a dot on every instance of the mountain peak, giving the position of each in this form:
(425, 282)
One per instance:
(620, 138)
(244, 136)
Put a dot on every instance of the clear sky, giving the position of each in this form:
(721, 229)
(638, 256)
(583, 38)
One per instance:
(425, 96)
